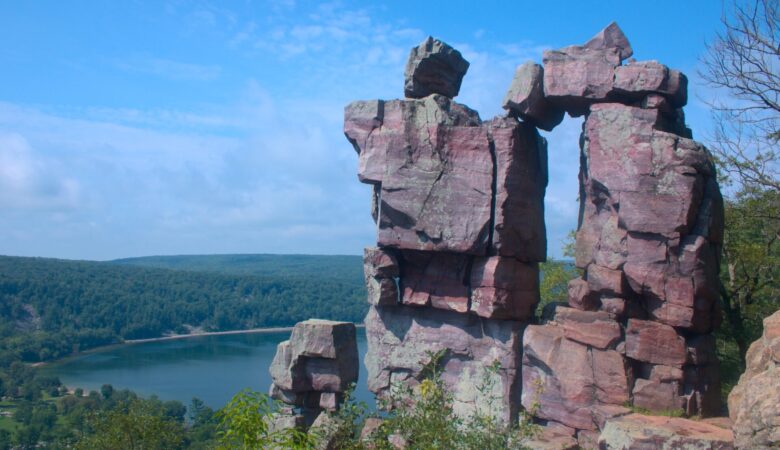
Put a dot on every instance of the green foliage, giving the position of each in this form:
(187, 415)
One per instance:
(246, 423)
(750, 275)
(137, 424)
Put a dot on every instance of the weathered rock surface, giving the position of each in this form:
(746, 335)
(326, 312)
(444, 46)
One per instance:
(577, 76)
(400, 339)
(381, 270)
(520, 183)
(611, 37)
(526, 99)
(571, 383)
(754, 403)
(639, 432)
(504, 288)
(640, 79)
(313, 368)
(434, 68)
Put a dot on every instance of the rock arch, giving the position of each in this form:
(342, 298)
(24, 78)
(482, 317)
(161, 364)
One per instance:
(458, 204)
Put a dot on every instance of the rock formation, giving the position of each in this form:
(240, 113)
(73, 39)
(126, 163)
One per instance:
(313, 369)
(754, 403)
(637, 431)
(460, 218)
(459, 206)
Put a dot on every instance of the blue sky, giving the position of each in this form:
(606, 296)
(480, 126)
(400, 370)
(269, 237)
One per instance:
(137, 128)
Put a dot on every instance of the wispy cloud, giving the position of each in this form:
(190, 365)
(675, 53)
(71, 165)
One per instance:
(166, 68)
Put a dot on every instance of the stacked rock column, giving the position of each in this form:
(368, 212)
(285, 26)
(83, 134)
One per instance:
(312, 370)
(638, 330)
(460, 232)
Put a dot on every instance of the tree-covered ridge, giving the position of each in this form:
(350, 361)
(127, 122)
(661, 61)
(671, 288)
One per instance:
(50, 308)
(339, 267)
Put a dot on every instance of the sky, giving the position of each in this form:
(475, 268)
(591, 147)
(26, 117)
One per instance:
(151, 127)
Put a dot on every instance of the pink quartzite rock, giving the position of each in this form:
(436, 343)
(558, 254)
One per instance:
(434, 68)
(649, 77)
(581, 297)
(379, 263)
(504, 288)
(577, 76)
(382, 291)
(435, 279)
(754, 403)
(321, 355)
(521, 180)
(660, 396)
(606, 281)
(595, 328)
(611, 37)
(526, 100)
(375, 126)
(654, 343)
(569, 382)
(437, 186)
(636, 431)
(380, 268)
(399, 339)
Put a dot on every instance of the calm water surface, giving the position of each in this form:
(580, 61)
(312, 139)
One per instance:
(212, 368)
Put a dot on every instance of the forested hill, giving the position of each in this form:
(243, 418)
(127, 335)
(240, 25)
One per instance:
(338, 267)
(50, 307)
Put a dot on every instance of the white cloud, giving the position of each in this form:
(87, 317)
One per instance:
(166, 68)
(30, 182)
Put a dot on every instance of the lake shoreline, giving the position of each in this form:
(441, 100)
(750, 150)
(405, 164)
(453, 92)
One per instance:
(266, 330)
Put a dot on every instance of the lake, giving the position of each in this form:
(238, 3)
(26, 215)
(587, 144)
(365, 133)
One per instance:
(212, 368)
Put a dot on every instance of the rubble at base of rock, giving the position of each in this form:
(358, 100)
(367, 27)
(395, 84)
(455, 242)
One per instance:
(459, 205)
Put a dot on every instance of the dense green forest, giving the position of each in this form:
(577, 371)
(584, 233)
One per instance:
(50, 308)
(339, 267)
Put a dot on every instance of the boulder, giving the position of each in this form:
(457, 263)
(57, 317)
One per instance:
(754, 403)
(637, 431)
(575, 77)
(639, 79)
(401, 339)
(434, 67)
(658, 396)
(504, 288)
(569, 382)
(525, 98)
(321, 355)
(317, 338)
(521, 180)
(654, 343)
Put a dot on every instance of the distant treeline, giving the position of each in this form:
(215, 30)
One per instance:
(50, 308)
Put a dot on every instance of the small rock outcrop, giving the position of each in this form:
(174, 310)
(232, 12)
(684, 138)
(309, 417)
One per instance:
(637, 431)
(459, 207)
(313, 369)
(754, 403)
